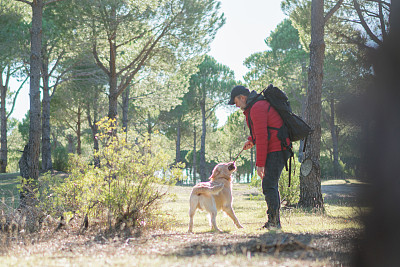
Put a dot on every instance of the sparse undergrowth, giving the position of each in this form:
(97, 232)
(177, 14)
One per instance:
(310, 239)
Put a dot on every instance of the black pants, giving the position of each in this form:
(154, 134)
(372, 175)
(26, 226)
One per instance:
(273, 169)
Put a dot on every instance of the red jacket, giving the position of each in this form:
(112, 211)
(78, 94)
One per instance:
(262, 118)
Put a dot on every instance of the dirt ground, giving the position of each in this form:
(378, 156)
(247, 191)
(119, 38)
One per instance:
(169, 248)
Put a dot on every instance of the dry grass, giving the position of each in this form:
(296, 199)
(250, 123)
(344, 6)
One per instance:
(307, 239)
(251, 212)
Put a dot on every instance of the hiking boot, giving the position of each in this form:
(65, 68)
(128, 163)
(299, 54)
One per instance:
(272, 226)
(274, 222)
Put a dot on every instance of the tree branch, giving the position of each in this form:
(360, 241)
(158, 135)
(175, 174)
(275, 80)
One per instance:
(15, 97)
(8, 76)
(25, 1)
(98, 62)
(365, 25)
(57, 62)
(134, 38)
(387, 5)
(51, 1)
(332, 11)
(132, 74)
(382, 20)
(135, 60)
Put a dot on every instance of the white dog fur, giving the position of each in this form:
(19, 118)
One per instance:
(214, 195)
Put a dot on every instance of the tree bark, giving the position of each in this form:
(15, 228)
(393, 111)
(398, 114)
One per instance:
(78, 132)
(125, 109)
(3, 115)
(29, 162)
(149, 126)
(194, 154)
(113, 97)
(71, 146)
(94, 128)
(310, 185)
(178, 142)
(46, 128)
(379, 243)
(335, 141)
(203, 174)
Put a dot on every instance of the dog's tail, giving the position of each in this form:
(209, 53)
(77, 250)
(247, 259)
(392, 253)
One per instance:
(207, 188)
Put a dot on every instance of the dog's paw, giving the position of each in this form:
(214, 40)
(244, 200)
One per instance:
(216, 230)
(239, 226)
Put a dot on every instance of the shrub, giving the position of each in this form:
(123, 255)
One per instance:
(289, 194)
(60, 158)
(133, 175)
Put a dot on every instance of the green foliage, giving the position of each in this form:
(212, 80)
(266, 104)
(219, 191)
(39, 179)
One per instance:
(13, 32)
(60, 158)
(9, 191)
(15, 145)
(289, 194)
(285, 65)
(132, 177)
(23, 127)
(284, 38)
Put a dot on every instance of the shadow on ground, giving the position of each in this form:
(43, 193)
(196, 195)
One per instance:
(332, 246)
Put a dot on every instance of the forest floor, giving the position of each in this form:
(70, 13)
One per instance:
(306, 239)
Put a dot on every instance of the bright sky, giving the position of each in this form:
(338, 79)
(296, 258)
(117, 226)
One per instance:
(248, 23)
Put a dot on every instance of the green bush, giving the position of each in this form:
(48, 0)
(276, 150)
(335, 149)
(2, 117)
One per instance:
(289, 194)
(133, 176)
(60, 158)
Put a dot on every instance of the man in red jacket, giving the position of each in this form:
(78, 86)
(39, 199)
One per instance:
(264, 121)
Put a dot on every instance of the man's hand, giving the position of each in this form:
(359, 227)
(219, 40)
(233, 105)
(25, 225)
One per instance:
(261, 172)
(248, 145)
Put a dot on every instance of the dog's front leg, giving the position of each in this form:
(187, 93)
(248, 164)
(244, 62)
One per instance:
(231, 213)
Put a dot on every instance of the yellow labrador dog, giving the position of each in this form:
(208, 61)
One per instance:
(214, 195)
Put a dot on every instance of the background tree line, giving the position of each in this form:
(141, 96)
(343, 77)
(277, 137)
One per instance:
(145, 63)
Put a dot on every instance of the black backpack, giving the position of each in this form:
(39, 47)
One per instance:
(293, 126)
(297, 129)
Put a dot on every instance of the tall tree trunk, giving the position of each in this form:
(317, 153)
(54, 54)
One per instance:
(78, 132)
(203, 174)
(310, 185)
(178, 142)
(94, 128)
(113, 97)
(113, 101)
(149, 126)
(194, 153)
(71, 146)
(46, 145)
(335, 142)
(379, 243)
(29, 162)
(125, 108)
(303, 115)
(3, 115)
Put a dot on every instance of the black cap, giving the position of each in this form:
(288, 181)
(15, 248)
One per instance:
(238, 90)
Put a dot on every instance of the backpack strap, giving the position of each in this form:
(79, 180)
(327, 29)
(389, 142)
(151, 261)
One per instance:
(269, 133)
(249, 106)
